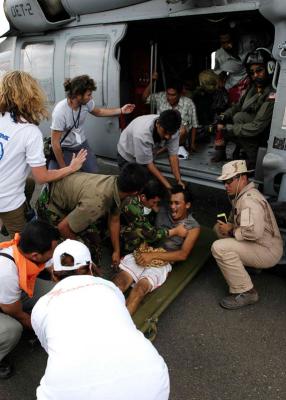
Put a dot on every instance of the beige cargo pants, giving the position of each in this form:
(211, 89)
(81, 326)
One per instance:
(232, 256)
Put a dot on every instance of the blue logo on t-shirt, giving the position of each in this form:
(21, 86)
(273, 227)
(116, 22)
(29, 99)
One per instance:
(3, 136)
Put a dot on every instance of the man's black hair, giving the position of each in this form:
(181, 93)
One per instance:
(175, 84)
(37, 236)
(226, 30)
(133, 177)
(170, 120)
(188, 197)
(152, 189)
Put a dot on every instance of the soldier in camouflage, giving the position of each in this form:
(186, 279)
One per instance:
(138, 219)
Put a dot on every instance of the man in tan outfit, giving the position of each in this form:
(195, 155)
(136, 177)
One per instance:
(250, 238)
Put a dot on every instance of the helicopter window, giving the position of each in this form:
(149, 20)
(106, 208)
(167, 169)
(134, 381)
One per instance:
(88, 57)
(38, 59)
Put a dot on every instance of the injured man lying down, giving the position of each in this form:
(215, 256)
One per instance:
(147, 268)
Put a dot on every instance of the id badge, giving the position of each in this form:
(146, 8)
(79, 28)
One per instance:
(77, 136)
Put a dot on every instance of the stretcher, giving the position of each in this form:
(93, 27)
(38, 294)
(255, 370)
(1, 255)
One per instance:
(146, 317)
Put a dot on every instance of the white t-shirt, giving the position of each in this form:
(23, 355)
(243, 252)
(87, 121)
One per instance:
(95, 351)
(21, 147)
(64, 118)
(10, 291)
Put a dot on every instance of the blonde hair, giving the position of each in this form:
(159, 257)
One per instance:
(22, 96)
(209, 80)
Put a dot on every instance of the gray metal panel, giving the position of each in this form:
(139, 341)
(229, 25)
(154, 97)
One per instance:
(275, 11)
(275, 160)
(158, 9)
(29, 16)
(75, 7)
(7, 54)
(103, 133)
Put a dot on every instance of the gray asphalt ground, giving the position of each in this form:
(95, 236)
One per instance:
(212, 354)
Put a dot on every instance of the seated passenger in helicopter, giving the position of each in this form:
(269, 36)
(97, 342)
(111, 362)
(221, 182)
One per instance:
(247, 123)
(172, 99)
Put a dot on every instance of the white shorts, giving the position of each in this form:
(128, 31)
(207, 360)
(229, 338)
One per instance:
(156, 276)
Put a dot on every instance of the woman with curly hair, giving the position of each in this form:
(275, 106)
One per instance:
(22, 107)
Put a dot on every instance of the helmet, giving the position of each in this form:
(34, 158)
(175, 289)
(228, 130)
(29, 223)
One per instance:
(261, 56)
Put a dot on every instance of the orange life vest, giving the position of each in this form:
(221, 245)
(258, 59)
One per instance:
(27, 270)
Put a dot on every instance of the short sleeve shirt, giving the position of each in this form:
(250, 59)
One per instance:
(10, 291)
(136, 143)
(21, 148)
(84, 198)
(64, 118)
(164, 220)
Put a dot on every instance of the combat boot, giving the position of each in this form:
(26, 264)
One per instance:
(220, 154)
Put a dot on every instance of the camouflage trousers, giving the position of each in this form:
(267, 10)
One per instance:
(92, 237)
(131, 237)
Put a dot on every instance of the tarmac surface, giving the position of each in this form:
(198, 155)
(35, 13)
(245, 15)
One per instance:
(212, 353)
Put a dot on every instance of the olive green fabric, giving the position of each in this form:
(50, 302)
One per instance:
(251, 116)
(83, 198)
(182, 273)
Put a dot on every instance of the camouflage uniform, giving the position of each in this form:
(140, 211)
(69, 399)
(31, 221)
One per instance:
(248, 122)
(136, 227)
(92, 236)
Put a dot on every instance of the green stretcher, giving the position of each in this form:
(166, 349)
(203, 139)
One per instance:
(146, 317)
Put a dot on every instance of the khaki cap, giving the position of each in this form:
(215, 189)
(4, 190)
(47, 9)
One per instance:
(233, 168)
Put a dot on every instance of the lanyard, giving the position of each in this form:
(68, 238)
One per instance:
(76, 120)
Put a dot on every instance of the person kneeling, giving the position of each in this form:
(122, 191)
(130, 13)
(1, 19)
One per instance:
(251, 237)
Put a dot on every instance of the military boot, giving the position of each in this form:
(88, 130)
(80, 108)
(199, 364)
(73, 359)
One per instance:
(220, 154)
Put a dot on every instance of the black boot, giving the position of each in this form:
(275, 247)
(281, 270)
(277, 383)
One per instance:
(236, 153)
(4, 231)
(5, 369)
(220, 154)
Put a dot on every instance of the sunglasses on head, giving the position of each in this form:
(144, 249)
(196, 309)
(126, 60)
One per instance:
(256, 70)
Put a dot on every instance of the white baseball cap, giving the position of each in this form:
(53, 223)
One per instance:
(77, 250)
